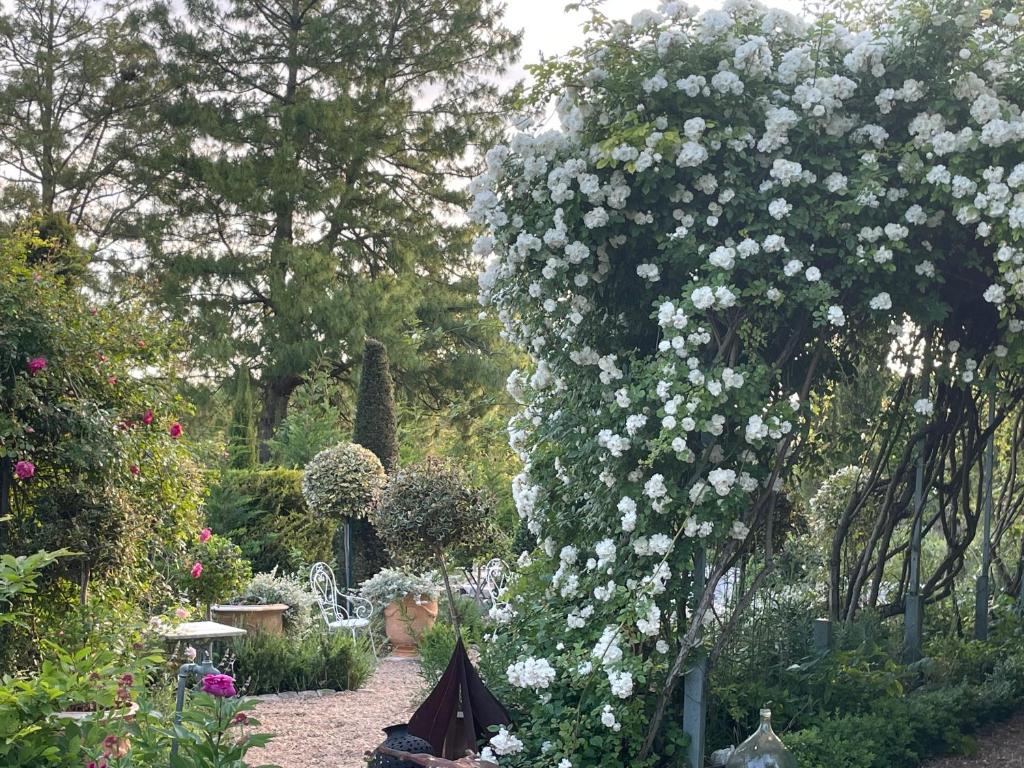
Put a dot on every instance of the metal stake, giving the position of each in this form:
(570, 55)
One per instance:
(694, 696)
(981, 588)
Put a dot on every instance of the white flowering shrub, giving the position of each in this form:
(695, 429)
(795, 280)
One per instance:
(737, 202)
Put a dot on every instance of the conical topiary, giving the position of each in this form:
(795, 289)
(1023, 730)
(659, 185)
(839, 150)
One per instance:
(375, 426)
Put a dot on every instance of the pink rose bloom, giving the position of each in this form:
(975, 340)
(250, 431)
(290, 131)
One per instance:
(24, 470)
(111, 380)
(197, 570)
(219, 685)
(175, 430)
(181, 613)
(35, 365)
(147, 417)
(134, 469)
(204, 535)
(190, 653)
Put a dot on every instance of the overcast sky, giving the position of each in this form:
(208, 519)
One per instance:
(549, 29)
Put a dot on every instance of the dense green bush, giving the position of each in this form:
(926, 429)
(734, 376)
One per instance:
(432, 508)
(262, 510)
(266, 663)
(213, 570)
(375, 426)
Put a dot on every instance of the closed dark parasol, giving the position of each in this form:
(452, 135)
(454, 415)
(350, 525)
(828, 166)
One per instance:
(460, 710)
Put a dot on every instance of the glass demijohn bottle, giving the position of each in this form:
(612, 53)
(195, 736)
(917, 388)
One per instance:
(763, 749)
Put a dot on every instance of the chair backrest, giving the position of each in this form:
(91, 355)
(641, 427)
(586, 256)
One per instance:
(325, 590)
(497, 575)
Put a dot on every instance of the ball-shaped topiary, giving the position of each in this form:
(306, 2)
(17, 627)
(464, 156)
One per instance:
(343, 481)
(431, 508)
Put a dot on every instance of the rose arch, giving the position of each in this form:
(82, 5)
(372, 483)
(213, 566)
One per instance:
(738, 205)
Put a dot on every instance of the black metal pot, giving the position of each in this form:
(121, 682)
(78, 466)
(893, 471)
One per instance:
(399, 738)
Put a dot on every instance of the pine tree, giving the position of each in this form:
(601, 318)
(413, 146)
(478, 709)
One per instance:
(308, 197)
(77, 85)
(242, 444)
(375, 426)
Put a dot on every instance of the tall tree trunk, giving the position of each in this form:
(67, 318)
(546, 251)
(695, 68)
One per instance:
(275, 396)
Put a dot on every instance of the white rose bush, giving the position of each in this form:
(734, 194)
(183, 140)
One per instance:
(736, 203)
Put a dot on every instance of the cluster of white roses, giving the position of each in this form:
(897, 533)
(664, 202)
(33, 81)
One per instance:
(654, 253)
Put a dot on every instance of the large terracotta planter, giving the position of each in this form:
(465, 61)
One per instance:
(406, 620)
(253, 618)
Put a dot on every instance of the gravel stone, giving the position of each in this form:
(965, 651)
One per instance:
(336, 729)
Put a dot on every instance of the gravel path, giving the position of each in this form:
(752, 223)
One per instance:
(336, 730)
(1000, 746)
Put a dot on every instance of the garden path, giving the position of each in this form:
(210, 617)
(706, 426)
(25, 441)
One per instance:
(335, 730)
(1000, 746)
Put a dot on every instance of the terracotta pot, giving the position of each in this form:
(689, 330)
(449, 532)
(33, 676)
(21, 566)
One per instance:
(253, 618)
(406, 620)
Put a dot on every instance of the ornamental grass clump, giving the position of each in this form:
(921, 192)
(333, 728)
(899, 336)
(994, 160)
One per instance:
(344, 481)
(431, 509)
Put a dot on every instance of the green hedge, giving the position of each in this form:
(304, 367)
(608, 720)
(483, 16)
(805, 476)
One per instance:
(263, 512)
(901, 732)
(266, 663)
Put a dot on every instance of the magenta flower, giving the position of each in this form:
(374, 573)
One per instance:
(197, 570)
(147, 417)
(35, 365)
(219, 685)
(175, 430)
(23, 470)
(204, 535)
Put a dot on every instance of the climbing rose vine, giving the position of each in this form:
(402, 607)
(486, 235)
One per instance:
(736, 203)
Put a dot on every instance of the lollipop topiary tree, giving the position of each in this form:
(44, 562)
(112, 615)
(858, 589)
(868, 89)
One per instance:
(430, 509)
(344, 483)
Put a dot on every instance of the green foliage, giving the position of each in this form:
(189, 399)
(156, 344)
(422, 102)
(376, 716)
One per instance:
(267, 663)
(343, 481)
(110, 481)
(436, 644)
(242, 444)
(375, 426)
(216, 732)
(313, 125)
(315, 420)
(290, 589)
(391, 584)
(432, 508)
(224, 570)
(264, 513)
(18, 580)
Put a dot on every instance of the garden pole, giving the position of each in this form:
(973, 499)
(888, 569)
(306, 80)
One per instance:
(913, 611)
(694, 687)
(5, 499)
(451, 598)
(981, 588)
(347, 546)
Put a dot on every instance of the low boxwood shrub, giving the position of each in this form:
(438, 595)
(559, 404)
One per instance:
(268, 663)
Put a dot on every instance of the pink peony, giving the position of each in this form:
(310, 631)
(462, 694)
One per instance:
(35, 365)
(204, 535)
(175, 430)
(24, 470)
(190, 653)
(219, 685)
(197, 570)
(147, 417)
(181, 613)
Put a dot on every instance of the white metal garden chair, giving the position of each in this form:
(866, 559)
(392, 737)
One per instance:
(351, 613)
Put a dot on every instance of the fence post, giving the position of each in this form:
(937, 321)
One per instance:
(981, 588)
(694, 683)
(822, 636)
